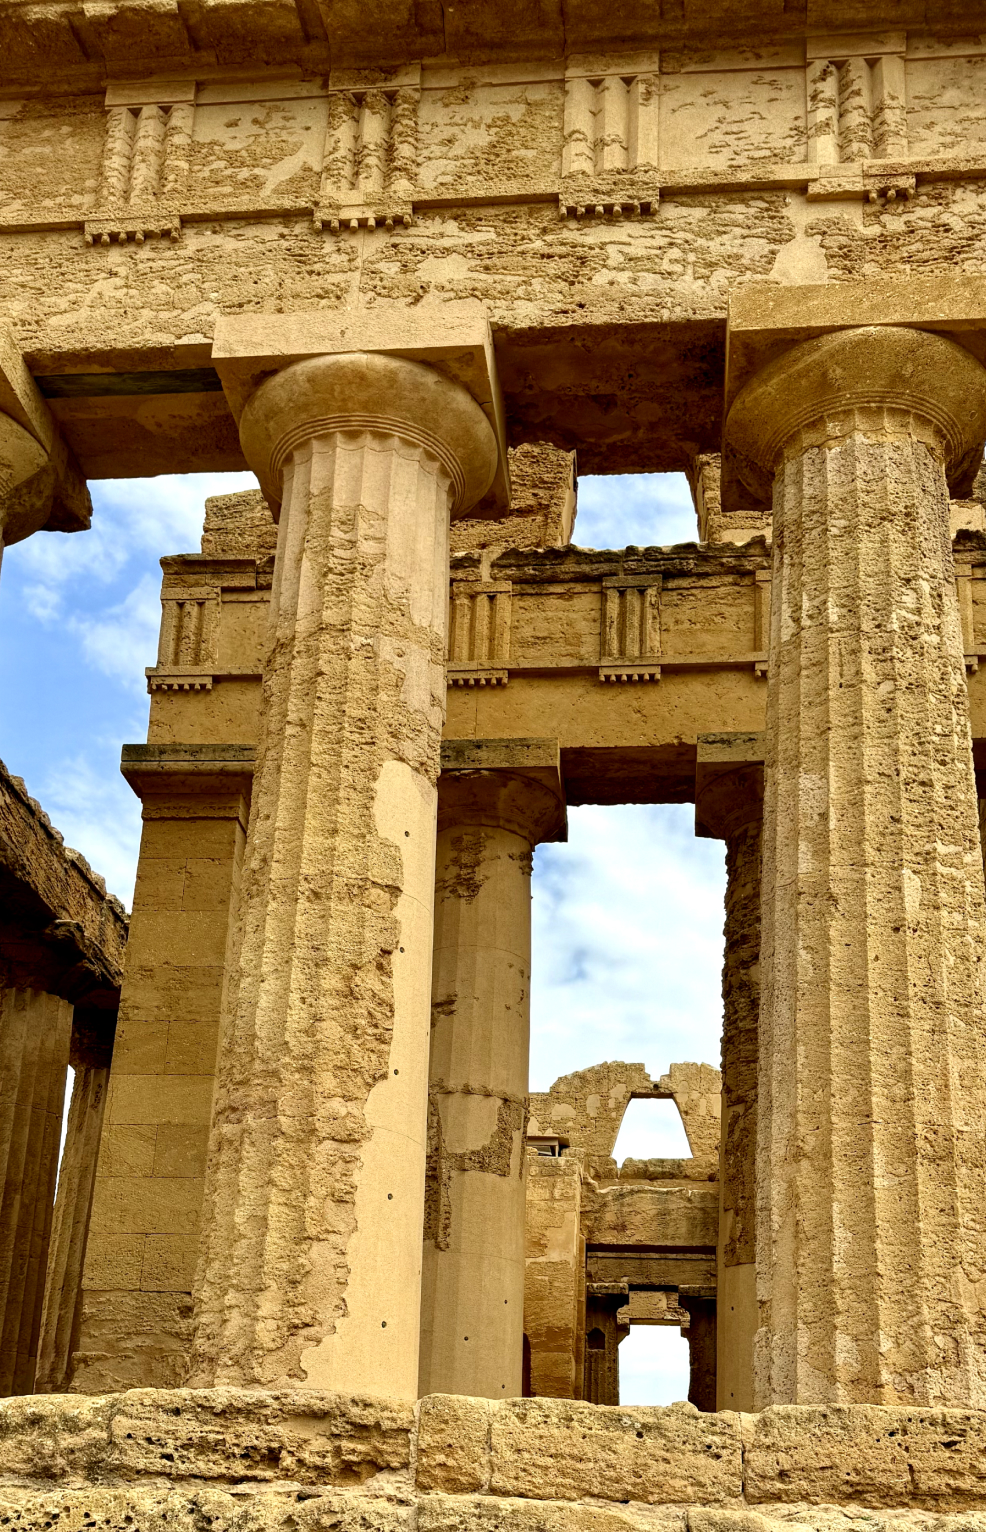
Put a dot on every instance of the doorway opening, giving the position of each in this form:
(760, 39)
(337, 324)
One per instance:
(651, 1130)
(654, 1365)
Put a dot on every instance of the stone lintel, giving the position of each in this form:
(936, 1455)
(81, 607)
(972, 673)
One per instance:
(455, 340)
(842, 45)
(155, 771)
(728, 783)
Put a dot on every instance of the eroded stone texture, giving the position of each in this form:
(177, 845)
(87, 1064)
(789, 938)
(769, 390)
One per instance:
(729, 806)
(870, 1185)
(542, 504)
(586, 1108)
(311, 1256)
(238, 525)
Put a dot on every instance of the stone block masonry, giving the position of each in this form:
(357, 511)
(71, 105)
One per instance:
(240, 1460)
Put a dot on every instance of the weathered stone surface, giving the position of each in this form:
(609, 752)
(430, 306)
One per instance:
(871, 1163)
(130, 1508)
(875, 1456)
(307, 1436)
(472, 1284)
(436, 1513)
(54, 1438)
(657, 1456)
(320, 1107)
(453, 1444)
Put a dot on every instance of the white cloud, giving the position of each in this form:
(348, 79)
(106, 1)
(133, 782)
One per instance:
(131, 518)
(122, 639)
(645, 509)
(99, 815)
(627, 929)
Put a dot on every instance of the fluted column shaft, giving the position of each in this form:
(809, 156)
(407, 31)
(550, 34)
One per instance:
(472, 1302)
(871, 1189)
(35, 1032)
(62, 1313)
(310, 1270)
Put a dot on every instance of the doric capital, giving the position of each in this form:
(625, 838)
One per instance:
(522, 802)
(40, 486)
(878, 379)
(367, 391)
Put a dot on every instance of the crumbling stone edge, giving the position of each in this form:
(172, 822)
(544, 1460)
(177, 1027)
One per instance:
(235, 1460)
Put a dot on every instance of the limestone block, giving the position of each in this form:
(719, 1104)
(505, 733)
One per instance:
(306, 1436)
(453, 1443)
(586, 1107)
(146, 1508)
(478, 1513)
(50, 1437)
(657, 1456)
(866, 1453)
(240, 526)
(129, 1336)
(695, 1090)
(542, 504)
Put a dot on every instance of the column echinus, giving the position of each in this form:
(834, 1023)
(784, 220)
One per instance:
(489, 821)
(871, 1195)
(310, 1270)
(41, 484)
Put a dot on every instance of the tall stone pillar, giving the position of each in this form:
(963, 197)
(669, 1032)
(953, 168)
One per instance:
(311, 1260)
(61, 1320)
(35, 1031)
(729, 807)
(142, 1246)
(472, 1300)
(871, 1194)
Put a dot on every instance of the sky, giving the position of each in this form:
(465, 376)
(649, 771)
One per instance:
(627, 916)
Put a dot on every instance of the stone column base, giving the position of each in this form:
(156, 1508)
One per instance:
(238, 1460)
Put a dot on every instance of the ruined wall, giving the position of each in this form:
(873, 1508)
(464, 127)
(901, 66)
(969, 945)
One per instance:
(587, 1108)
(235, 1460)
(611, 1246)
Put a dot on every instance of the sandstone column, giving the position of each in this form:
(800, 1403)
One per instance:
(472, 1302)
(142, 1246)
(310, 1270)
(729, 807)
(35, 1031)
(91, 1052)
(871, 1195)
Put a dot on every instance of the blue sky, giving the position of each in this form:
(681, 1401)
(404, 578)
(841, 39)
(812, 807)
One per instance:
(627, 915)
